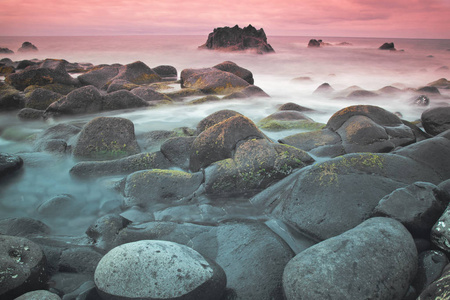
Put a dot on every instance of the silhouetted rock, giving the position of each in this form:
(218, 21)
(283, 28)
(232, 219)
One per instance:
(6, 51)
(387, 46)
(27, 47)
(313, 43)
(236, 38)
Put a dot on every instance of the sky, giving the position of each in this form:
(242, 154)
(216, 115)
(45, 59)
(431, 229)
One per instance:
(343, 18)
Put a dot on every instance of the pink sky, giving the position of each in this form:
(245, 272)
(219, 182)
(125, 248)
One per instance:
(368, 18)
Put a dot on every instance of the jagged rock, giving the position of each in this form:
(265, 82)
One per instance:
(313, 43)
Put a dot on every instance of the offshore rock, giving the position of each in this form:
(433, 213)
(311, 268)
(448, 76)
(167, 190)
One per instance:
(27, 47)
(238, 39)
(387, 46)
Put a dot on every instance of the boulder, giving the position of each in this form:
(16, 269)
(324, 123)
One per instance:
(313, 43)
(149, 94)
(375, 260)
(231, 67)
(323, 89)
(238, 39)
(48, 72)
(104, 230)
(171, 270)
(422, 100)
(41, 98)
(293, 106)
(436, 120)
(121, 166)
(166, 71)
(253, 91)
(308, 141)
(149, 187)
(6, 51)
(387, 46)
(80, 101)
(99, 77)
(121, 84)
(212, 81)
(105, 138)
(27, 47)
(439, 288)
(177, 150)
(442, 83)
(219, 141)
(10, 98)
(64, 132)
(417, 206)
(5, 70)
(23, 227)
(9, 163)
(39, 295)
(431, 265)
(430, 90)
(122, 100)
(23, 266)
(214, 119)
(361, 94)
(288, 119)
(64, 205)
(137, 73)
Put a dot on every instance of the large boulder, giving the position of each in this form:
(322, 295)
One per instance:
(41, 99)
(387, 46)
(238, 39)
(49, 71)
(122, 99)
(80, 101)
(99, 77)
(158, 270)
(27, 47)
(436, 120)
(288, 119)
(231, 67)
(439, 288)
(105, 138)
(166, 71)
(148, 94)
(137, 73)
(375, 260)
(10, 98)
(23, 266)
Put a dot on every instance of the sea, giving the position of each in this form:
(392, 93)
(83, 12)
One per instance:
(291, 74)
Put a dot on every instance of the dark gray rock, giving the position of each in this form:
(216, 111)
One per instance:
(84, 100)
(9, 163)
(106, 138)
(137, 73)
(6, 51)
(214, 119)
(375, 260)
(122, 100)
(120, 84)
(166, 71)
(387, 46)
(10, 98)
(308, 141)
(27, 47)
(148, 94)
(417, 206)
(177, 150)
(422, 100)
(64, 205)
(429, 90)
(436, 120)
(23, 227)
(439, 288)
(99, 77)
(54, 135)
(431, 265)
(30, 114)
(23, 266)
(313, 43)
(41, 99)
(231, 67)
(104, 231)
(171, 270)
(79, 260)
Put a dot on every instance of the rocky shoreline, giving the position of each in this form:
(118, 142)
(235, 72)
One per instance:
(352, 209)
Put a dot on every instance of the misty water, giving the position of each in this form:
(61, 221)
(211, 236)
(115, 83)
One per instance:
(359, 63)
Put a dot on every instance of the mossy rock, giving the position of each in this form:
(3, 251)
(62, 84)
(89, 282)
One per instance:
(206, 99)
(137, 73)
(231, 67)
(288, 119)
(214, 81)
(5, 70)
(41, 98)
(18, 134)
(312, 139)
(10, 98)
(55, 87)
(215, 118)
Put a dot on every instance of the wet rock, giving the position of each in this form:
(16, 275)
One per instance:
(10, 98)
(79, 260)
(30, 114)
(99, 77)
(172, 270)
(231, 67)
(218, 142)
(24, 267)
(387, 46)
(308, 141)
(120, 84)
(166, 71)
(122, 100)
(80, 101)
(105, 229)
(288, 119)
(152, 140)
(422, 100)
(23, 227)
(437, 289)
(9, 163)
(214, 119)
(293, 106)
(41, 99)
(149, 94)
(177, 150)
(137, 73)
(436, 120)
(106, 138)
(122, 166)
(238, 39)
(39, 295)
(212, 81)
(53, 136)
(27, 47)
(254, 91)
(431, 265)
(48, 72)
(378, 258)
(64, 205)
(166, 186)
(417, 206)
(323, 89)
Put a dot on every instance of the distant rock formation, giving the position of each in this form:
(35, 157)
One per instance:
(387, 46)
(6, 51)
(238, 39)
(27, 47)
(313, 43)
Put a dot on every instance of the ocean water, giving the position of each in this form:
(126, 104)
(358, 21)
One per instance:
(359, 63)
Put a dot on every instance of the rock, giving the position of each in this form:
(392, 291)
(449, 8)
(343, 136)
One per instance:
(9, 163)
(48, 72)
(39, 295)
(293, 106)
(439, 288)
(231, 67)
(122, 166)
(148, 94)
(64, 205)
(27, 47)
(120, 84)
(5, 70)
(99, 77)
(214, 119)
(288, 119)
(206, 99)
(308, 141)
(79, 260)
(171, 270)
(432, 90)
(53, 87)
(6, 51)
(219, 141)
(23, 266)
(137, 73)
(387, 46)
(165, 71)
(41, 99)
(254, 91)
(177, 150)
(436, 120)
(442, 83)
(26, 63)
(104, 230)
(23, 227)
(166, 186)
(80, 101)
(323, 89)
(422, 100)
(417, 206)
(105, 138)
(237, 39)
(431, 265)
(313, 43)
(375, 260)
(61, 132)
(10, 98)
(30, 114)
(122, 100)
(212, 81)
(361, 94)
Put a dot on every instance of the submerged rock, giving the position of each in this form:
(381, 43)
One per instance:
(238, 39)
(9, 163)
